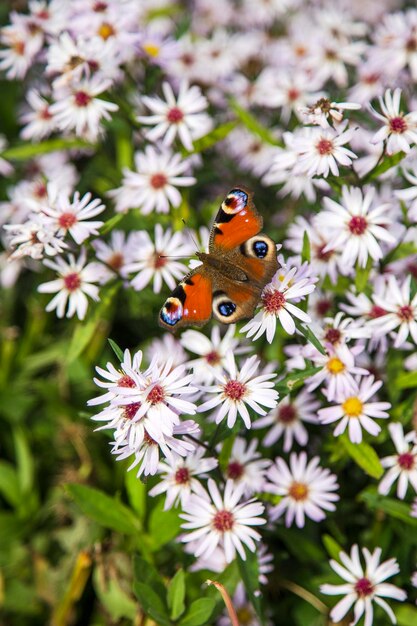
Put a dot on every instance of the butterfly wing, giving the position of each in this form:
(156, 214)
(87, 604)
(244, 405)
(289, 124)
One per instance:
(189, 303)
(236, 222)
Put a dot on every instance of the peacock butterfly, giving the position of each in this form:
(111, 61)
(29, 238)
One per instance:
(228, 284)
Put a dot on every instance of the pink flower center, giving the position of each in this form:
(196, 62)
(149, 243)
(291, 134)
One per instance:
(398, 124)
(188, 59)
(293, 94)
(82, 98)
(213, 358)
(66, 220)
(287, 414)
(175, 115)
(371, 79)
(156, 395)
(364, 587)
(235, 470)
(45, 114)
(99, 7)
(43, 15)
(116, 261)
(234, 390)
(357, 225)
(298, 491)
(405, 313)
(323, 307)
(411, 44)
(93, 65)
(130, 410)
(412, 268)
(40, 190)
(182, 476)
(147, 439)
(273, 301)
(406, 460)
(72, 281)
(158, 181)
(19, 47)
(324, 146)
(323, 256)
(126, 381)
(376, 311)
(223, 521)
(159, 260)
(333, 335)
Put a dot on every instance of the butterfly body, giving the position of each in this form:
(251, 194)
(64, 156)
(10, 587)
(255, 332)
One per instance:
(228, 284)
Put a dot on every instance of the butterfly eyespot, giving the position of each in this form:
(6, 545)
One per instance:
(227, 308)
(260, 249)
(172, 311)
(235, 201)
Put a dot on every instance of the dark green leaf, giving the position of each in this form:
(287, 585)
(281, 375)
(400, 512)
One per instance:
(199, 612)
(151, 603)
(176, 595)
(104, 509)
(332, 547)
(163, 525)
(406, 615)
(9, 483)
(213, 137)
(117, 351)
(253, 125)
(27, 151)
(364, 456)
(136, 491)
(249, 570)
(406, 380)
(310, 336)
(293, 380)
(25, 467)
(111, 223)
(387, 163)
(113, 597)
(306, 250)
(362, 275)
(145, 572)
(393, 508)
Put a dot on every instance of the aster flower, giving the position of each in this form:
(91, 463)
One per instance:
(338, 369)
(183, 116)
(166, 347)
(216, 520)
(353, 411)
(74, 284)
(320, 151)
(286, 285)
(286, 420)
(114, 378)
(39, 121)
(398, 311)
(363, 586)
(340, 329)
(245, 466)
(34, 238)
(154, 260)
(409, 195)
(120, 251)
(153, 186)
(354, 228)
(401, 466)
(306, 489)
(399, 130)
(236, 390)
(323, 110)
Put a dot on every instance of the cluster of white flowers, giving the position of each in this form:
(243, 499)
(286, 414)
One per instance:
(314, 105)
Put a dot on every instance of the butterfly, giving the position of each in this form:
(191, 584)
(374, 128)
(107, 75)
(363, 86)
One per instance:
(228, 284)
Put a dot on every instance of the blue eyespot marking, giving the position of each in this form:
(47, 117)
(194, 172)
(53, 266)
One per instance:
(236, 200)
(172, 311)
(226, 309)
(260, 249)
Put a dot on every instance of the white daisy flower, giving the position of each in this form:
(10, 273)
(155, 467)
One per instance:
(34, 238)
(354, 228)
(306, 489)
(286, 420)
(320, 151)
(401, 466)
(183, 116)
(363, 586)
(409, 195)
(320, 112)
(286, 285)
(338, 371)
(236, 390)
(179, 476)
(400, 311)
(354, 412)
(216, 520)
(153, 186)
(399, 130)
(167, 347)
(119, 252)
(245, 466)
(340, 329)
(39, 121)
(155, 260)
(73, 285)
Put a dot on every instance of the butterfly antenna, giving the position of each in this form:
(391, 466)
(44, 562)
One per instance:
(191, 236)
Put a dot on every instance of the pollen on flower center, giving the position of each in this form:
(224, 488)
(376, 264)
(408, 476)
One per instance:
(175, 115)
(234, 470)
(405, 313)
(324, 146)
(116, 261)
(398, 124)
(352, 406)
(130, 410)
(287, 414)
(182, 476)
(45, 114)
(234, 389)
(66, 220)
(156, 394)
(72, 281)
(333, 335)
(223, 521)
(298, 491)
(147, 439)
(126, 381)
(406, 460)
(213, 358)
(273, 301)
(82, 98)
(335, 365)
(357, 225)
(158, 181)
(364, 587)
(106, 30)
(151, 48)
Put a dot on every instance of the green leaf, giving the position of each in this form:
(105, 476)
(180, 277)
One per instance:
(111, 223)
(249, 570)
(332, 547)
(117, 351)
(163, 525)
(213, 137)
(136, 491)
(393, 508)
(199, 612)
(294, 380)
(226, 451)
(406, 380)
(151, 603)
(253, 125)
(25, 466)
(384, 166)
(145, 572)
(9, 483)
(311, 337)
(26, 151)
(406, 615)
(400, 252)
(176, 595)
(364, 456)
(113, 597)
(104, 509)
(306, 249)
(362, 275)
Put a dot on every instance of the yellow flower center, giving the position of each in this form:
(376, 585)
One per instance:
(335, 365)
(298, 491)
(151, 49)
(352, 407)
(106, 30)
